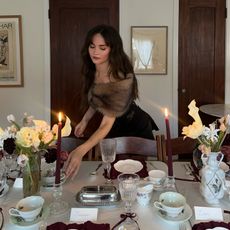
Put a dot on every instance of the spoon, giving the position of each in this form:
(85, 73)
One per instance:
(95, 171)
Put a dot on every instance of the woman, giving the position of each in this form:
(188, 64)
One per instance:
(110, 88)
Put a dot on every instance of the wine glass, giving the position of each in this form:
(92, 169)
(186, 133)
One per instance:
(11, 164)
(58, 206)
(3, 179)
(128, 189)
(108, 153)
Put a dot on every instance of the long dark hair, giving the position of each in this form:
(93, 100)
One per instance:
(118, 59)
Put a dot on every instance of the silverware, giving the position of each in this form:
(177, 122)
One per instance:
(2, 191)
(154, 167)
(95, 171)
(187, 170)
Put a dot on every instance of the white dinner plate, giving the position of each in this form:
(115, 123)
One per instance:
(184, 216)
(128, 166)
(20, 222)
(217, 228)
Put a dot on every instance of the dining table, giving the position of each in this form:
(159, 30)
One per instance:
(147, 216)
(216, 110)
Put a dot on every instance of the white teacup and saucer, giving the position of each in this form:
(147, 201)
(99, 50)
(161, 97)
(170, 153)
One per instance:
(172, 207)
(157, 178)
(28, 211)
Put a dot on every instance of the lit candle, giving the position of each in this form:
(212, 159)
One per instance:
(58, 161)
(168, 144)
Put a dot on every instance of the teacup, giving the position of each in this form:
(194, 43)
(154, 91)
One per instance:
(28, 208)
(172, 203)
(144, 194)
(157, 177)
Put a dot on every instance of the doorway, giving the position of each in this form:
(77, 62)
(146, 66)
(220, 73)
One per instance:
(201, 56)
(69, 23)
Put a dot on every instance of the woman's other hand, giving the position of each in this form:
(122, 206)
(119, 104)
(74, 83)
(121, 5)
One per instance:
(73, 162)
(80, 128)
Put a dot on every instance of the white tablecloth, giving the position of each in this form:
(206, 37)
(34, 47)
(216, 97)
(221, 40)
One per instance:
(147, 216)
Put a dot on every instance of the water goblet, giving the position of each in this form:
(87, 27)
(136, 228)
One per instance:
(108, 154)
(11, 163)
(58, 206)
(128, 183)
(3, 179)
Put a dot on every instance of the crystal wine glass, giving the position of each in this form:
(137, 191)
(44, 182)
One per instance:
(108, 153)
(128, 189)
(58, 206)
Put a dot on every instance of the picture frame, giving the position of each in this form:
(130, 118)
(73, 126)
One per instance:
(11, 52)
(149, 47)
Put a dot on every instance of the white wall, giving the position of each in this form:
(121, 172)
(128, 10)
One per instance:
(29, 98)
(156, 91)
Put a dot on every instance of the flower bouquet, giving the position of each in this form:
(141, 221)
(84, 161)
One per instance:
(210, 139)
(29, 140)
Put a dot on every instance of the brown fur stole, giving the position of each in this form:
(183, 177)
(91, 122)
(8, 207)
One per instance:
(113, 98)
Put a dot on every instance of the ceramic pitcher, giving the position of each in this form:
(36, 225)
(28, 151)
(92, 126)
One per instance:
(212, 178)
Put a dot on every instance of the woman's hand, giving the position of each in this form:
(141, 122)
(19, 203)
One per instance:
(73, 163)
(80, 128)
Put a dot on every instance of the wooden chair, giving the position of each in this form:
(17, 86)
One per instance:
(70, 143)
(180, 147)
(137, 146)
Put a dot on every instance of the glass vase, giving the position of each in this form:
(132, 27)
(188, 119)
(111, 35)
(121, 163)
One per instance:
(31, 175)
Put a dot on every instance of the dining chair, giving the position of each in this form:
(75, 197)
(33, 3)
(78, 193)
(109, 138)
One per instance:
(147, 148)
(181, 148)
(70, 143)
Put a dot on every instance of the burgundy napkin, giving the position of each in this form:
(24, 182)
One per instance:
(86, 226)
(211, 224)
(114, 173)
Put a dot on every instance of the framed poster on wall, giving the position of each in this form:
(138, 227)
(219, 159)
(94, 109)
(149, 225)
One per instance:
(11, 57)
(149, 49)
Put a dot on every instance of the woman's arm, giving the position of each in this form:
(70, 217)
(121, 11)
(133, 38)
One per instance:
(75, 157)
(80, 127)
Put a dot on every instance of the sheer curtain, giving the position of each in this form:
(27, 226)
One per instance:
(144, 52)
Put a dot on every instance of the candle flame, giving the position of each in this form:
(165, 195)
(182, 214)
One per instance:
(166, 112)
(60, 116)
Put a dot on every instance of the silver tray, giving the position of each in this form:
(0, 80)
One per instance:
(98, 195)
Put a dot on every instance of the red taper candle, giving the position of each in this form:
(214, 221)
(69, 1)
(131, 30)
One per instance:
(168, 144)
(58, 161)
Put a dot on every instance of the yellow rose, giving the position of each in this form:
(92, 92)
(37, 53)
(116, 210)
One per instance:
(28, 137)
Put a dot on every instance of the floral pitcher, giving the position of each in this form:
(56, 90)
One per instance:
(212, 178)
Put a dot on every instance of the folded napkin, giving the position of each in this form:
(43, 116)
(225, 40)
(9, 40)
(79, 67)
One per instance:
(210, 225)
(114, 173)
(88, 225)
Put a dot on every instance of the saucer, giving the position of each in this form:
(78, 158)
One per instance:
(21, 222)
(6, 189)
(128, 166)
(184, 216)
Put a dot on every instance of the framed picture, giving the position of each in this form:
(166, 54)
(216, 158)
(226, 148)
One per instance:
(149, 49)
(11, 57)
